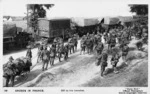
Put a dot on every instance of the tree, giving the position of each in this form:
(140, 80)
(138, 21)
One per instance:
(139, 9)
(37, 11)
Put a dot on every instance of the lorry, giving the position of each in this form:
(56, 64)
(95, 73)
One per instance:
(12, 38)
(52, 28)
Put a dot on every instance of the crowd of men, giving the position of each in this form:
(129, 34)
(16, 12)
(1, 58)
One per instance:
(101, 44)
(116, 38)
(57, 49)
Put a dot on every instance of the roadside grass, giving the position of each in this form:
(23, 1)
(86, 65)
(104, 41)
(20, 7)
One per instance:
(131, 75)
(139, 76)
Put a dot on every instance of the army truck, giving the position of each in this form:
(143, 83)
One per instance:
(12, 38)
(9, 34)
(52, 28)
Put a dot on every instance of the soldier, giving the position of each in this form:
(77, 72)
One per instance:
(66, 51)
(39, 52)
(9, 65)
(105, 37)
(114, 60)
(52, 54)
(102, 61)
(88, 45)
(139, 45)
(111, 43)
(125, 51)
(83, 45)
(145, 36)
(99, 37)
(99, 48)
(29, 53)
(71, 44)
(87, 35)
(45, 56)
(75, 39)
(130, 33)
(119, 34)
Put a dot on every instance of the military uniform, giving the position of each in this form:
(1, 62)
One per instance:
(45, 58)
(145, 38)
(99, 48)
(83, 44)
(112, 42)
(29, 53)
(102, 59)
(119, 37)
(75, 39)
(52, 54)
(99, 37)
(39, 52)
(139, 33)
(125, 50)
(89, 45)
(114, 61)
(105, 37)
(71, 44)
(10, 69)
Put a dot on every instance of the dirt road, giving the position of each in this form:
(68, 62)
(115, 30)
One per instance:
(81, 71)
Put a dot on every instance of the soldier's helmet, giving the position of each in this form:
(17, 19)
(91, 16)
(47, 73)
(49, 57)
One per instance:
(11, 58)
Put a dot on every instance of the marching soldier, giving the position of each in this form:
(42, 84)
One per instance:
(105, 37)
(125, 51)
(119, 37)
(29, 53)
(52, 54)
(71, 44)
(111, 43)
(99, 48)
(9, 65)
(145, 36)
(139, 33)
(75, 39)
(83, 45)
(39, 52)
(102, 61)
(114, 60)
(89, 45)
(45, 58)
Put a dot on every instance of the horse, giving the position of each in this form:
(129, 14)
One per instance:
(17, 68)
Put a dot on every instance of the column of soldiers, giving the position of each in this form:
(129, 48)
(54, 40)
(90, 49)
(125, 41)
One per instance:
(91, 43)
(57, 49)
(115, 38)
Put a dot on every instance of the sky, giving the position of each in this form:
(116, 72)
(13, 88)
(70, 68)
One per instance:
(72, 9)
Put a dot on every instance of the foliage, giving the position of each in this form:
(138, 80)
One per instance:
(139, 9)
(38, 11)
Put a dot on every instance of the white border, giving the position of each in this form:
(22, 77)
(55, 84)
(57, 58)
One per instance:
(57, 90)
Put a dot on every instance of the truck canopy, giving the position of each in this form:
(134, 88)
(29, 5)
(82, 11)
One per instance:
(53, 27)
(82, 22)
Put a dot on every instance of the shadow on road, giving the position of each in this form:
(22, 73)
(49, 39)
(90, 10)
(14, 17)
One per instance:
(30, 76)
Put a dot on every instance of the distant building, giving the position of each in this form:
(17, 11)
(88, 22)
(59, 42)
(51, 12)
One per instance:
(7, 18)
